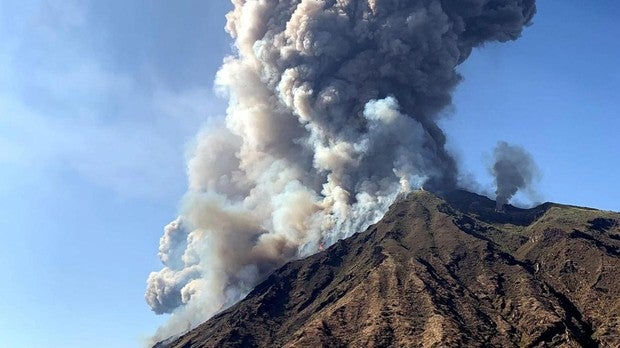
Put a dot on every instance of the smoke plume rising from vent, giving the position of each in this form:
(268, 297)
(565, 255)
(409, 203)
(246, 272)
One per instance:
(332, 112)
(513, 169)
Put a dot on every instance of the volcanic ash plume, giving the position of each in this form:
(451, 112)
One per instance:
(332, 112)
(514, 170)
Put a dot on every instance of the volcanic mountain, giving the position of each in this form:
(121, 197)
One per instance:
(448, 271)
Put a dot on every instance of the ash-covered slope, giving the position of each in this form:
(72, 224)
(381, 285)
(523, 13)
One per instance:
(442, 272)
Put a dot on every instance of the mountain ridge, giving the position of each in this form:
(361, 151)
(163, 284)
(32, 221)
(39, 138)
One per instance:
(447, 270)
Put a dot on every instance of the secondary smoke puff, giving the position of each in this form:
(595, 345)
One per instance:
(514, 170)
(332, 112)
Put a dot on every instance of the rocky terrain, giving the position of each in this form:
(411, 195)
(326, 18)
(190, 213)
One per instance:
(435, 272)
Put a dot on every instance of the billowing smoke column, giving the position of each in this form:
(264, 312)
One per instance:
(513, 169)
(332, 112)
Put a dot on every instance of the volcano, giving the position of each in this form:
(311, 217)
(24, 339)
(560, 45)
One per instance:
(441, 271)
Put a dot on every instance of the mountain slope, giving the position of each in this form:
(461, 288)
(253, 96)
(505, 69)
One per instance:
(449, 272)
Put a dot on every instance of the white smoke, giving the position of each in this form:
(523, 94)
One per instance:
(332, 113)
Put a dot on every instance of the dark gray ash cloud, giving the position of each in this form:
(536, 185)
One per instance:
(333, 109)
(513, 169)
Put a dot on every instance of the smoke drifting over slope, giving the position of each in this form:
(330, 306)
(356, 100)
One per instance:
(514, 170)
(332, 112)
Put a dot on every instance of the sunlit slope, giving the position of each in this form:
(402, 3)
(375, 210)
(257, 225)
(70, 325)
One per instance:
(442, 271)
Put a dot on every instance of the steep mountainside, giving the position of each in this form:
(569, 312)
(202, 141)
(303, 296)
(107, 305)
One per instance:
(442, 272)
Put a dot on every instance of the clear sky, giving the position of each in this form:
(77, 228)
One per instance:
(100, 99)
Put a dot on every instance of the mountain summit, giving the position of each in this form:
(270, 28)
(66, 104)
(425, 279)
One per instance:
(448, 271)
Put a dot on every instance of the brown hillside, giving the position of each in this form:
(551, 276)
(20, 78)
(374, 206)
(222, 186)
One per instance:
(441, 272)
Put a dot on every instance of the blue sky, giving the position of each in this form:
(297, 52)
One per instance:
(98, 101)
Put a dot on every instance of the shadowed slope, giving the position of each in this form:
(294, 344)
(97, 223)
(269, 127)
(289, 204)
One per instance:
(441, 272)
